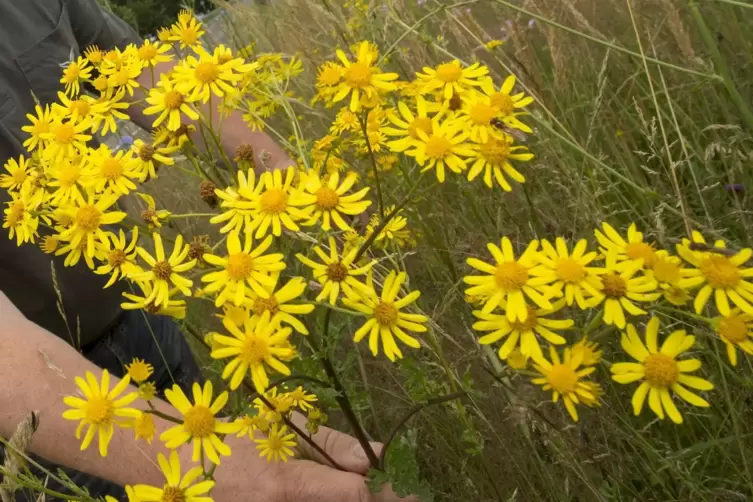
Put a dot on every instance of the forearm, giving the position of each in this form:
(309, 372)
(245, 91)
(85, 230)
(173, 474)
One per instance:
(37, 370)
(234, 130)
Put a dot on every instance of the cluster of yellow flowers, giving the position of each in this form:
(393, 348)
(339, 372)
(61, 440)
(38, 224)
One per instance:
(530, 288)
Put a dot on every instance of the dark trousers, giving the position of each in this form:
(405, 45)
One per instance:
(164, 347)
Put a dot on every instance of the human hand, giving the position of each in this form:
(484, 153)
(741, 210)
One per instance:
(300, 480)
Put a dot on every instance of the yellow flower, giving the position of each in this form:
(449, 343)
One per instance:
(596, 391)
(173, 308)
(326, 200)
(361, 78)
(108, 109)
(634, 250)
(143, 427)
(200, 425)
(274, 203)
(18, 219)
(345, 121)
(49, 244)
(564, 378)
(277, 303)
(149, 156)
(199, 78)
(451, 78)
(66, 139)
(735, 330)
(249, 424)
(509, 280)
(508, 105)
(100, 409)
(493, 158)
(620, 289)
(243, 266)
(238, 208)
(301, 399)
(237, 315)
(123, 78)
(724, 276)
(394, 232)
(94, 55)
(152, 53)
(67, 178)
(569, 271)
(81, 108)
(108, 170)
(668, 272)
(589, 351)
(527, 331)
(516, 360)
(337, 273)
(187, 31)
(41, 124)
(120, 257)
(139, 370)
(480, 117)
(164, 271)
(660, 371)
(444, 146)
(73, 73)
(277, 445)
(385, 318)
(492, 44)
(19, 172)
(169, 103)
(88, 218)
(408, 124)
(147, 391)
(151, 216)
(176, 488)
(253, 349)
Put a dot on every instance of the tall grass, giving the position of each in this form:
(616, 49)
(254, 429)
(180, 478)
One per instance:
(643, 114)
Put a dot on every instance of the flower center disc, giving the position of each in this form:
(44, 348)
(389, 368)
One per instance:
(511, 275)
(274, 201)
(207, 73)
(162, 270)
(528, 324)
(437, 147)
(173, 100)
(358, 75)
(719, 272)
(385, 314)
(614, 285)
(99, 410)
(449, 72)
(482, 114)
(172, 494)
(262, 305)
(111, 168)
(661, 370)
(327, 199)
(638, 250)
(255, 350)
(239, 266)
(562, 378)
(199, 421)
(570, 270)
(336, 272)
(419, 124)
(733, 329)
(495, 151)
(88, 218)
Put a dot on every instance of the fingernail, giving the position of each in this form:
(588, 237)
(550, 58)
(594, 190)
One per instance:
(358, 452)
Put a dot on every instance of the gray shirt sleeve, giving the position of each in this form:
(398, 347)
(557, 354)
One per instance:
(94, 25)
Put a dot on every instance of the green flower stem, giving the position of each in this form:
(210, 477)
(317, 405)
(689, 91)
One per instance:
(364, 128)
(192, 215)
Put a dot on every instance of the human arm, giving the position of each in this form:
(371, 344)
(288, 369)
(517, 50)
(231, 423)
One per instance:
(39, 371)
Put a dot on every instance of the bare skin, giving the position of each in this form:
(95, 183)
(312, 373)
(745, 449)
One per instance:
(39, 371)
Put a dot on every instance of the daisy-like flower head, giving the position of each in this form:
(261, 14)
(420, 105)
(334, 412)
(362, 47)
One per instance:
(120, 257)
(659, 371)
(493, 159)
(634, 250)
(526, 332)
(386, 320)
(509, 280)
(176, 488)
(200, 425)
(188, 31)
(277, 303)
(481, 117)
(451, 78)
(19, 172)
(726, 276)
(164, 272)
(564, 377)
(444, 147)
(668, 271)
(150, 54)
(278, 445)
(106, 170)
(123, 77)
(74, 73)
(238, 208)
(202, 75)
(67, 180)
(394, 232)
(88, 219)
(244, 266)
(589, 351)
(274, 203)
(167, 101)
(735, 330)
(301, 399)
(407, 124)
(253, 349)
(516, 360)
(41, 124)
(94, 55)
(80, 108)
(337, 273)
(507, 104)
(569, 271)
(326, 200)
(361, 79)
(109, 108)
(143, 427)
(66, 139)
(139, 370)
(620, 288)
(100, 409)
(149, 156)
(145, 301)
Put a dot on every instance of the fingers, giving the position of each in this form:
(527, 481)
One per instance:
(307, 481)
